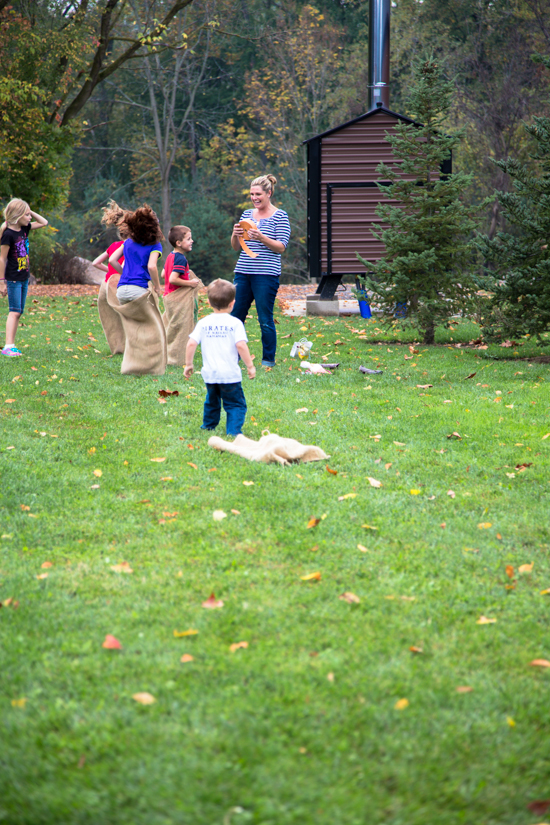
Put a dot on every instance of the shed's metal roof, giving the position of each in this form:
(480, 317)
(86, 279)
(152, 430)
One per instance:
(357, 119)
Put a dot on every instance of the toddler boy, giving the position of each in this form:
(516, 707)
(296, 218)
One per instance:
(176, 269)
(223, 340)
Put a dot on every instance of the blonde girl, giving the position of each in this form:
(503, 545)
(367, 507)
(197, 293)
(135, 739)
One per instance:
(14, 264)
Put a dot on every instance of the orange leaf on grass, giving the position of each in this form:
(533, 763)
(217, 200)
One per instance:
(526, 568)
(212, 602)
(186, 658)
(111, 643)
(485, 525)
(157, 459)
(123, 567)
(510, 571)
(237, 646)
(415, 649)
(46, 564)
(311, 577)
(350, 598)
(401, 704)
(464, 689)
(313, 522)
(42, 576)
(540, 663)
(194, 466)
(144, 698)
(170, 515)
(24, 507)
(485, 620)
(236, 512)
(332, 472)
(98, 473)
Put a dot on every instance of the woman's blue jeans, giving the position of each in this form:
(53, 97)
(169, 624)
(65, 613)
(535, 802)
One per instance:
(263, 290)
(234, 404)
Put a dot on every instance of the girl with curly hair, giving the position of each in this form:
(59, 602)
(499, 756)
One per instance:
(141, 251)
(113, 215)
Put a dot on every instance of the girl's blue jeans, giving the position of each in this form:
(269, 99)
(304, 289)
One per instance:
(234, 404)
(17, 294)
(263, 290)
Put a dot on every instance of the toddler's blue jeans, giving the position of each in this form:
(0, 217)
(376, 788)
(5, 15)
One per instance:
(234, 404)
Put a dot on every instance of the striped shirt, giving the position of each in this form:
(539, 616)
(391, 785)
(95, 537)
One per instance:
(277, 227)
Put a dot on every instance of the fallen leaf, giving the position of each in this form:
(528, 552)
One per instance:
(511, 475)
(540, 663)
(111, 643)
(539, 806)
(236, 512)
(415, 492)
(42, 576)
(311, 577)
(212, 602)
(388, 465)
(510, 571)
(123, 567)
(471, 375)
(522, 467)
(464, 689)
(19, 703)
(401, 704)
(398, 444)
(94, 487)
(98, 473)
(369, 527)
(485, 525)
(451, 493)
(248, 483)
(455, 435)
(186, 658)
(544, 437)
(424, 386)
(330, 677)
(179, 634)
(24, 507)
(144, 698)
(347, 495)
(415, 649)
(511, 721)
(350, 598)
(219, 515)
(526, 568)
(362, 548)
(332, 472)
(237, 646)
(313, 522)
(412, 350)
(170, 515)
(485, 620)
(46, 564)
(9, 401)
(166, 478)
(374, 482)
(158, 460)
(7, 602)
(166, 393)
(302, 409)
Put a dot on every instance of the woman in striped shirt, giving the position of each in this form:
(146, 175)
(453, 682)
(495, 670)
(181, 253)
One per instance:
(257, 279)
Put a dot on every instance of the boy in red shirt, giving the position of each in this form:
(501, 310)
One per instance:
(176, 269)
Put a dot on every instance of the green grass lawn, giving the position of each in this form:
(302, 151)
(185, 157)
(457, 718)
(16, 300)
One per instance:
(303, 725)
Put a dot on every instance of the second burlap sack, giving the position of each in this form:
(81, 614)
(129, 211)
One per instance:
(180, 318)
(145, 347)
(110, 319)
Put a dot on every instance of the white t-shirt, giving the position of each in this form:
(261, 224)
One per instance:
(218, 335)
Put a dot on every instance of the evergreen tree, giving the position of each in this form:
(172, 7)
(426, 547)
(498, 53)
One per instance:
(425, 269)
(521, 260)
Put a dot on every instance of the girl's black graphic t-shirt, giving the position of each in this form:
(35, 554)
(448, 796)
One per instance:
(17, 263)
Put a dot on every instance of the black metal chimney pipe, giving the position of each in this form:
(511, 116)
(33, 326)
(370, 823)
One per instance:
(379, 53)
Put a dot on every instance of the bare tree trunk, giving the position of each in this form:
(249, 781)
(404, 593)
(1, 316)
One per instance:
(495, 213)
(429, 335)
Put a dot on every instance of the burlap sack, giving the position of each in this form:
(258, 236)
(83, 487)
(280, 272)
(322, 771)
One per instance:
(145, 348)
(110, 319)
(269, 448)
(180, 317)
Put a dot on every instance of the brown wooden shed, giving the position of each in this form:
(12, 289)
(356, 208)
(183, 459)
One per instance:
(343, 196)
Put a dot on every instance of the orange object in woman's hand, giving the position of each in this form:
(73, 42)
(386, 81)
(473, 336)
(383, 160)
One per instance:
(246, 225)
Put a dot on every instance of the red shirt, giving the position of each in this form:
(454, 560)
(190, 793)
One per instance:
(175, 262)
(110, 269)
